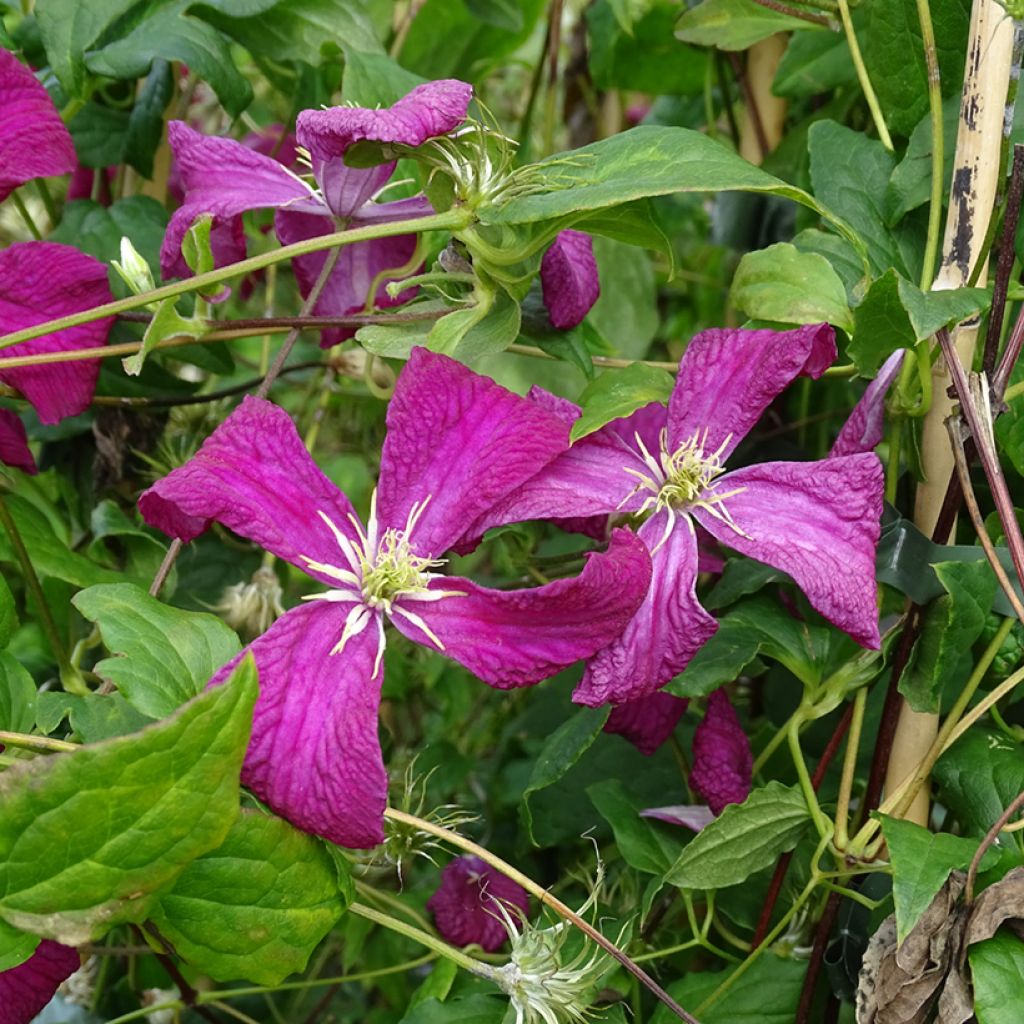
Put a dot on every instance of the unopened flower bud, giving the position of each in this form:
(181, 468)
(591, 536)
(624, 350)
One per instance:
(252, 608)
(133, 268)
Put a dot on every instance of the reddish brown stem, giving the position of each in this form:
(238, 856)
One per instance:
(821, 937)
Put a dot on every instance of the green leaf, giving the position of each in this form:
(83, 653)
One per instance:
(99, 134)
(997, 973)
(951, 625)
(626, 311)
(167, 322)
(732, 24)
(17, 696)
(374, 79)
(814, 62)
(978, 778)
(8, 614)
(564, 747)
(172, 33)
(466, 335)
(642, 846)
(164, 655)
(921, 863)
(254, 908)
(93, 717)
(88, 838)
(743, 839)
(437, 984)
(504, 14)
(618, 393)
(911, 181)
(15, 946)
(720, 660)
(146, 122)
(782, 283)
(478, 1009)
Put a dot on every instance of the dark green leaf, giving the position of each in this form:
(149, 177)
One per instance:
(463, 1010)
(743, 839)
(719, 661)
(618, 393)
(437, 984)
(997, 972)
(255, 907)
(93, 717)
(374, 79)
(978, 778)
(17, 696)
(146, 123)
(88, 838)
(642, 845)
(911, 181)
(504, 14)
(626, 311)
(164, 655)
(814, 62)
(99, 134)
(732, 24)
(8, 614)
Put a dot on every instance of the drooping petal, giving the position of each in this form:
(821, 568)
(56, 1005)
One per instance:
(722, 761)
(314, 755)
(462, 441)
(568, 277)
(223, 178)
(465, 905)
(817, 521)
(863, 430)
(647, 721)
(14, 449)
(517, 637)
(254, 475)
(38, 282)
(27, 988)
(728, 377)
(358, 265)
(691, 816)
(34, 143)
(667, 630)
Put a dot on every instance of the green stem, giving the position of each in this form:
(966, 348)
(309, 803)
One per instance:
(774, 743)
(49, 205)
(39, 744)
(849, 768)
(821, 821)
(931, 59)
(862, 76)
(894, 460)
(453, 220)
(19, 205)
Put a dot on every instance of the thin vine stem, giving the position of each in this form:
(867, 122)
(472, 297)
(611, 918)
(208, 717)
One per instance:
(931, 60)
(862, 76)
(842, 825)
(19, 205)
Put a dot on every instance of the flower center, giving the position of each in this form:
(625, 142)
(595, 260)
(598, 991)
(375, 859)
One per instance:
(394, 569)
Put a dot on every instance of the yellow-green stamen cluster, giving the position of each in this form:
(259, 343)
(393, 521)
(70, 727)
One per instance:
(396, 569)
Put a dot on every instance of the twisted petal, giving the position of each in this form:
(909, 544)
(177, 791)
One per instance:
(461, 440)
(358, 265)
(314, 756)
(38, 282)
(728, 377)
(722, 762)
(517, 637)
(465, 905)
(667, 630)
(568, 278)
(254, 475)
(14, 443)
(647, 721)
(691, 816)
(33, 140)
(27, 988)
(223, 178)
(863, 430)
(817, 521)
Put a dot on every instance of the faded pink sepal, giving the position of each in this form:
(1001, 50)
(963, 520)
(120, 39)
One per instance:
(863, 430)
(314, 755)
(27, 988)
(667, 630)
(817, 521)
(14, 450)
(512, 638)
(34, 143)
(729, 376)
(568, 278)
(647, 721)
(466, 904)
(723, 764)
(691, 816)
(254, 475)
(40, 281)
(463, 442)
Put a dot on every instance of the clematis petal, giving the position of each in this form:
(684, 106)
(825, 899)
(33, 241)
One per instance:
(14, 449)
(460, 440)
(863, 430)
(517, 637)
(314, 755)
(27, 988)
(728, 377)
(40, 281)
(358, 265)
(33, 140)
(722, 762)
(667, 630)
(647, 423)
(691, 816)
(817, 521)
(466, 904)
(647, 721)
(223, 178)
(254, 475)
(569, 280)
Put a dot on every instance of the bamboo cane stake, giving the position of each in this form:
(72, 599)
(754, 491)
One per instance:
(761, 129)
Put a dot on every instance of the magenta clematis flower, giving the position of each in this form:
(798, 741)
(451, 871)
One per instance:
(466, 904)
(568, 277)
(647, 721)
(14, 449)
(863, 429)
(722, 761)
(817, 521)
(27, 988)
(225, 178)
(33, 140)
(457, 443)
(40, 281)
